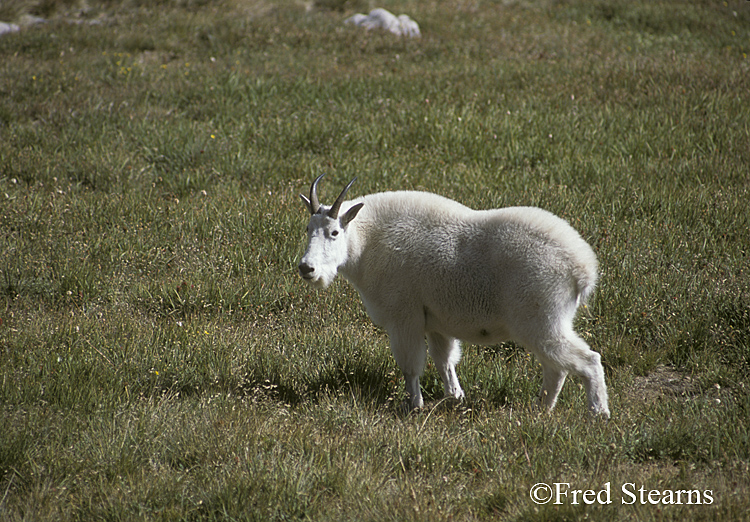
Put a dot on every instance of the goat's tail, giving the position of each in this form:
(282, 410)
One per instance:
(585, 275)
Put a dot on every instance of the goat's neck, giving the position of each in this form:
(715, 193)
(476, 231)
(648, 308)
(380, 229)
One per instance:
(351, 270)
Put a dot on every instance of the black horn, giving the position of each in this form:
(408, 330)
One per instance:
(314, 203)
(333, 213)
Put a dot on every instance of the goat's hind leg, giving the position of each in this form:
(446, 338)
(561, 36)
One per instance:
(593, 380)
(553, 380)
(446, 352)
(571, 354)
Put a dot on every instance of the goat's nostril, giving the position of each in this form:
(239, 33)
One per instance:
(305, 269)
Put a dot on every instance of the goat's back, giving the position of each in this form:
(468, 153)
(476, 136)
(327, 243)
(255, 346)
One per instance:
(423, 247)
(423, 224)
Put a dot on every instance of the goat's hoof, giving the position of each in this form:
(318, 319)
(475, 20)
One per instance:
(600, 414)
(407, 407)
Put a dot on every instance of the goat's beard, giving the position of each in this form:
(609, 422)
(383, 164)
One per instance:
(320, 283)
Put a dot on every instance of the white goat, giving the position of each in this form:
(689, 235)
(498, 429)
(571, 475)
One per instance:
(426, 265)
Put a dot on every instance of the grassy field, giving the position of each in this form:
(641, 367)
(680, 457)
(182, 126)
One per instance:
(160, 359)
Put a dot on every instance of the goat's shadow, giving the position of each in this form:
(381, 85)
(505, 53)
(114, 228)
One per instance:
(373, 384)
(376, 385)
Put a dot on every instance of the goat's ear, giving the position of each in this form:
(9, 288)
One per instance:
(307, 203)
(351, 214)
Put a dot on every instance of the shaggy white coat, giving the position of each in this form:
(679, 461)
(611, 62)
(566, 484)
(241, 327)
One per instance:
(427, 266)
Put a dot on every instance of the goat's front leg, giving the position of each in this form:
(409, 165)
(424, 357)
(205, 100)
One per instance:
(409, 350)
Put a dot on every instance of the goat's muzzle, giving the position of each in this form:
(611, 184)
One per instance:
(306, 271)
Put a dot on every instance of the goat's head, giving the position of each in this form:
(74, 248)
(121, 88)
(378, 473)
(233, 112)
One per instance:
(326, 234)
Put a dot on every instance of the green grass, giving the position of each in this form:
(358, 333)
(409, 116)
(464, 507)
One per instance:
(161, 360)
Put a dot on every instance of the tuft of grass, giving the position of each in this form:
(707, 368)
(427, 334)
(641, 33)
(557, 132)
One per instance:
(161, 360)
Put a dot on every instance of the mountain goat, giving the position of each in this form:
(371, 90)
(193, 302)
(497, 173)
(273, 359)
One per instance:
(427, 266)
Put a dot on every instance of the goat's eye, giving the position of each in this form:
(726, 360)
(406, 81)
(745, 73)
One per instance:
(334, 233)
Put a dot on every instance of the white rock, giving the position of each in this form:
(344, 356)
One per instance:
(8, 28)
(401, 25)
